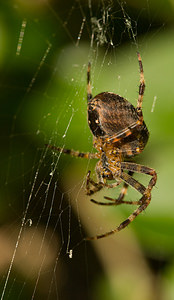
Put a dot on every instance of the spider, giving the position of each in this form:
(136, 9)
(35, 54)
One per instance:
(119, 132)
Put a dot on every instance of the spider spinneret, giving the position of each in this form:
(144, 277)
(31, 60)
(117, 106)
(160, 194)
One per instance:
(119, 132)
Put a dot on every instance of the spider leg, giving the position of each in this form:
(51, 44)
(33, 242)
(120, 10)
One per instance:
(130, 166)
(130, 129)
(97, 186)
(120, 198)
(141, 89)
(71, 152)
(133, 182)
(144, 200)
(144, 170)
(89, 92)
(125, 223)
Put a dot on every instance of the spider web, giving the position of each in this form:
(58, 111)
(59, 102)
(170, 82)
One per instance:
(45, 212)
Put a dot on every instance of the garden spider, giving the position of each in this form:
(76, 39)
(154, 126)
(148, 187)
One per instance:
(119, 132)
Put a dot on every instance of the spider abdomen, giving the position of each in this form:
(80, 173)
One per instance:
(109, 114)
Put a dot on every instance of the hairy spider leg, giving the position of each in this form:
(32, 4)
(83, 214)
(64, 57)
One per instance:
(130, 129)
(144, 200)
(141, 89)
(144, 170)
(89, 91)
(122, 194)
(71, 152)
(131, 166)
(129, 180)
(97, 186)
(120, 198)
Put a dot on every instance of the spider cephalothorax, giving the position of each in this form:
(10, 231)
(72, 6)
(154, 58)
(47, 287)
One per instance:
(119, 132)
